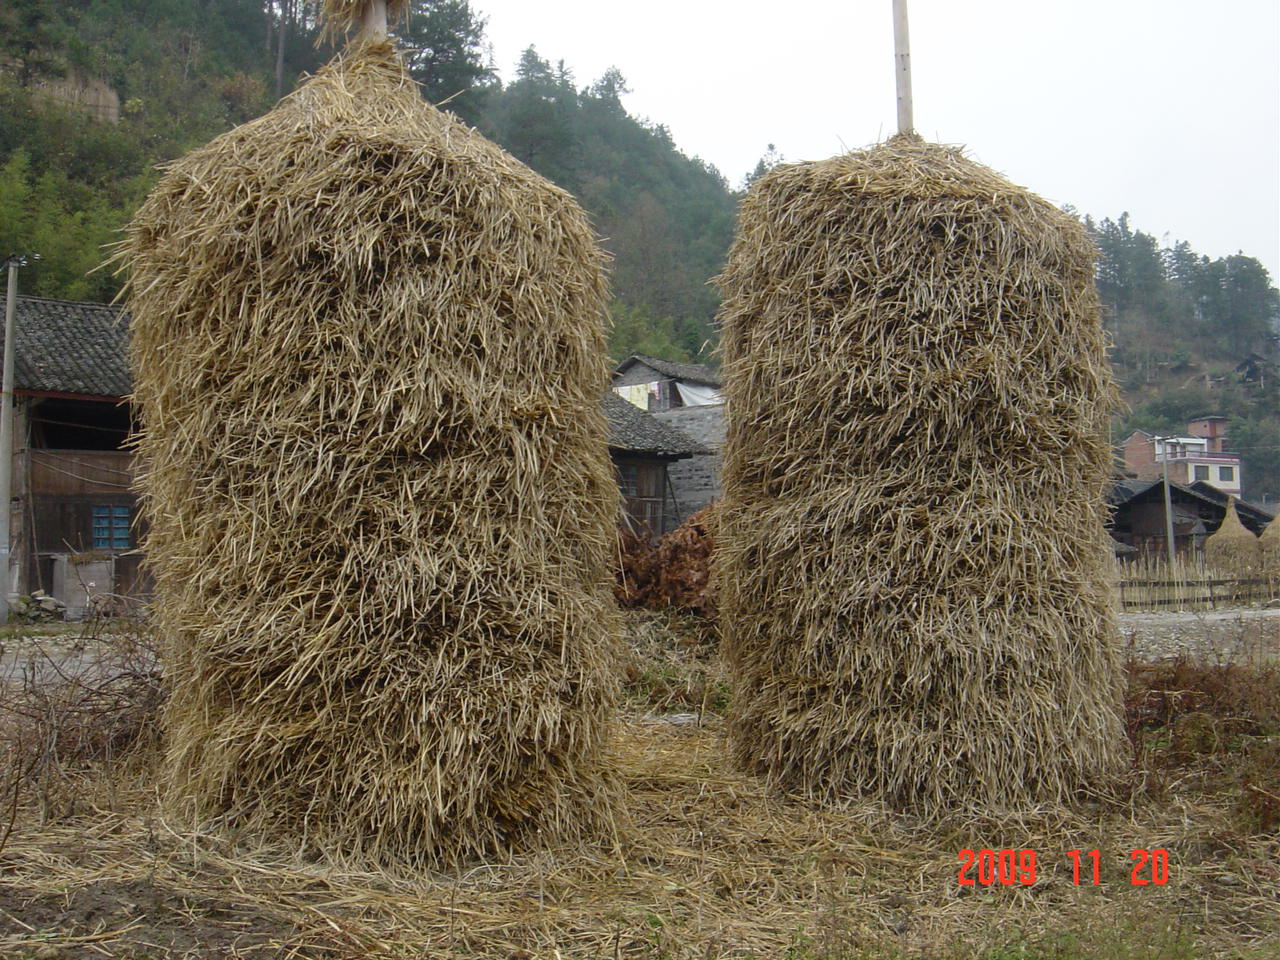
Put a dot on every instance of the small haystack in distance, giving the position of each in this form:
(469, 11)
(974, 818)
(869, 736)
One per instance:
(912, 566)
(368, 356)
(1232, 548)
(1269, 549)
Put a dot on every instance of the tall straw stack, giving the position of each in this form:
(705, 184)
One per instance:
(1269, 552)
(368, 358)
(1232, 548)
(913, 570)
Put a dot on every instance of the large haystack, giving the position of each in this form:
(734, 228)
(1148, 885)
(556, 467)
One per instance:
(913, 570)
(1232, 549)
(368, 354)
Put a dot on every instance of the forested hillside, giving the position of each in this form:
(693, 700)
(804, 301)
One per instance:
(186, 70)
(1192, 335)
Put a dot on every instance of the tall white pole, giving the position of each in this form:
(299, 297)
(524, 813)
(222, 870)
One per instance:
(6, 421)
(1168, 504)
(375, 20)
(902, 66)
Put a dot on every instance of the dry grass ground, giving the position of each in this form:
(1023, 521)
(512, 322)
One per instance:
(706, 865)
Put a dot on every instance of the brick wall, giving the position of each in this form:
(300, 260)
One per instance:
(696, 481)
(1140, 456)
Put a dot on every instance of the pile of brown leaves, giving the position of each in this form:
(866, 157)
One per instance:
(675, 573)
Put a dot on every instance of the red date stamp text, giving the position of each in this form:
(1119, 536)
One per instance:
(1008, 867)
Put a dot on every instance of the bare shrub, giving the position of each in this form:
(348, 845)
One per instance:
(71, 701)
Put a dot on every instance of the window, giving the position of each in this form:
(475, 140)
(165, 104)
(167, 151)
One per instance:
(629, 479)
(111, 527)
(1227, 473)
(1202, 473)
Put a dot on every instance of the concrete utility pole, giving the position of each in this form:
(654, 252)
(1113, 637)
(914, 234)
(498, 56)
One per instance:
(1168, 501)
(902, 65)
(14, 261)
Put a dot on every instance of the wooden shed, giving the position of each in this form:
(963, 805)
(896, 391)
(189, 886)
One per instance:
(642, 448)
(73, 521)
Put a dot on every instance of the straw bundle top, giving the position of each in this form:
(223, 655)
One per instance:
(339, 17)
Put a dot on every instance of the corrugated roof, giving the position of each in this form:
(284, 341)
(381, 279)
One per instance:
(693, 372)
(634, 431)
(68, 346)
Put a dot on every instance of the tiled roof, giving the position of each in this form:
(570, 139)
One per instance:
(1125, 490)
(635, 431)
(66, 346)
(693, 372)
(1263, 513)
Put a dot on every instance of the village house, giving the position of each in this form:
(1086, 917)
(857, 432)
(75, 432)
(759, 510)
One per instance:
(74, 528)
(657, 385)
(72, 513)
(1200, 456)
(687, 397)
(1138, 518)
(643, 450)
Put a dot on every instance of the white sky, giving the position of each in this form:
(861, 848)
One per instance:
(1169, 109)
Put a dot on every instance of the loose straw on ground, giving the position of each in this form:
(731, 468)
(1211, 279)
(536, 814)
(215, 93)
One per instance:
(913, 572)
(368, 358)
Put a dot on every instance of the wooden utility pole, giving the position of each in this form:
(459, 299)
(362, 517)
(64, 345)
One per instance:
(902, 66)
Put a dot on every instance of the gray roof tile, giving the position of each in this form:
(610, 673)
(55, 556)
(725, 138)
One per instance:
(693, 372)
(635, 431)
(65, 346)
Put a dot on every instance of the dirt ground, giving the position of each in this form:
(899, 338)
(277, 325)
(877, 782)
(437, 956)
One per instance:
(1207, 635)
(705, 863)
(1147, 636)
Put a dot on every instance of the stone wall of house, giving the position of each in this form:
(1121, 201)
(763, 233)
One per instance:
(696, 480)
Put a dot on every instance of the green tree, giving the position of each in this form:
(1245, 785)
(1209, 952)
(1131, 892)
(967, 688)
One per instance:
(15, 202)
(534, 118)
(767, 162)
(65, 223)
(1247, 306)
(1257, 440)
(1130, 268)
(608, 91)
(632, 331)
(32, 34)
(443, 42)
